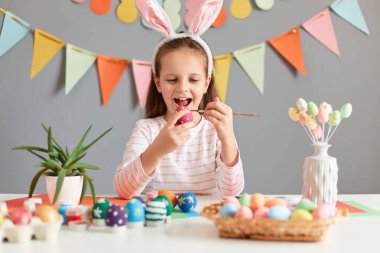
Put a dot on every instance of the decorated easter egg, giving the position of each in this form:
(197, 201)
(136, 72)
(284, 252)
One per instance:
(188, 117)
(231, 200)
(322, 211)
(20, 216)
(346, 110)
(167, 202)
(323, 116)
(100, 208)
(257, 200)
(279, 212)
(245, 199)
(317, 132)
(228, 210)
(293, 114)
(187, 201)
(306, 204)
(301, 214)
(139, 198)
(301, 105)
(170, 195)
(334, 118)
(244, 212)
(302, 117)
(135, 211)
(312, 108)
(261, 212)
(155, 211)
(311, 123)
(115, 216)
(275, 202)
(47, 213)
(326, 106)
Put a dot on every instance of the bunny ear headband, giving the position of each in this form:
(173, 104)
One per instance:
(156, 17)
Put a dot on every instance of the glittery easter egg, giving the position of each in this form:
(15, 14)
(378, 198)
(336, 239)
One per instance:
(317, 132)
(20, 216)
(170, 195)
(244, 212)
(228, 210)
(311, 123)
(312, 108)
(257, 200)
(302, 117)
(326, 106)
(293, 114)
(115, 216)
(346, 110)
(323, 116)
(47, 213)
(245, 199)
(187, 201)
(301, 105)
(135, 211)
(167, 202)
(188, 117)
(301, 214)
(334, 118)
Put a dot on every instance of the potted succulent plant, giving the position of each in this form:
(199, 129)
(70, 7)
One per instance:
(66, 176)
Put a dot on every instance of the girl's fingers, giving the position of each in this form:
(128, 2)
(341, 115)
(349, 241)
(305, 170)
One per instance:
(184, 127)
(218, 105)
(214, 113)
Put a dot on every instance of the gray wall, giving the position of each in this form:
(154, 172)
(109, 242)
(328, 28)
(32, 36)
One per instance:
(272, 147)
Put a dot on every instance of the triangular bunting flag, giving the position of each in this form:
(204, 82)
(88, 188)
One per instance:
(44, 49)
(109, 71)
(321, 27)
(78, 62)
(142, 72)
(221, 74)
(14, 30)
(252, 60)
(350, 11)
(289, 46)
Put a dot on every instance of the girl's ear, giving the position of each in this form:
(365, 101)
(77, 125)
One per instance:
(157, 83)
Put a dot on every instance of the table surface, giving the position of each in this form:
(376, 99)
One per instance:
(198, 234)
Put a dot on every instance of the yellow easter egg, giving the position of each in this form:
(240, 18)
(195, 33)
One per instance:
(293, 114)
(311, 123)
(301, 214)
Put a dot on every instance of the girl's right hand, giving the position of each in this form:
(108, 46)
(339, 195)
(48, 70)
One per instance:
(171, 137)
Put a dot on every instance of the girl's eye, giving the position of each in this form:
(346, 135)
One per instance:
(194, 80)
(171, 80)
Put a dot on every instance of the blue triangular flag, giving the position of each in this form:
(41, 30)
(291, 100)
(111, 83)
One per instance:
(14, 29)
(350, 11)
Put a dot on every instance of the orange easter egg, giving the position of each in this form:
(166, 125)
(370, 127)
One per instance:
(275, 202)
(170, 195)
(47, 213)
(257, 200)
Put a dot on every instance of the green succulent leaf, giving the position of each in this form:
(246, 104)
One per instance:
(76, 152)
(91, 188)
(84, 166)
(30, 148)
(74, 161)
(35, 180)
(38, 155)
(51, 173)
(58, 187)
(94, 141)
(50, 144)
(84, 188)
(60, 151)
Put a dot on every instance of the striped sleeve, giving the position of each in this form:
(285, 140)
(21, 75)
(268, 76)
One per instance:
(230, 180)
(130, 178)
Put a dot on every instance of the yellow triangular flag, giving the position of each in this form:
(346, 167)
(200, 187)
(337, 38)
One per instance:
(221, 74)
(44, 49)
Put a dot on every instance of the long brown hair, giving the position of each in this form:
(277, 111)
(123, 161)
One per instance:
(155, 105)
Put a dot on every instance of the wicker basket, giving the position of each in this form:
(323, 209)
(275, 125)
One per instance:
(270, 229)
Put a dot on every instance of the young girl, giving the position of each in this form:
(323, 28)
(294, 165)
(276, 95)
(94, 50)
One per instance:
(199, 156)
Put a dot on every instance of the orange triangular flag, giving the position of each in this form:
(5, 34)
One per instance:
(44, 49)
(289, 46)
(109, 71)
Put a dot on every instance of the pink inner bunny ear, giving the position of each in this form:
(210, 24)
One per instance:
(205, 16)
(155, 16)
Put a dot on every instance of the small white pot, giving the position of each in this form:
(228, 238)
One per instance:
(71, 189)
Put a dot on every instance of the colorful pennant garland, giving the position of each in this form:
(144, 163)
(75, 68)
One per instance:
(110, 69)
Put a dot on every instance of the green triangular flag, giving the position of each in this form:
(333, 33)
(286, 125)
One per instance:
(78, 62)
(252, 60)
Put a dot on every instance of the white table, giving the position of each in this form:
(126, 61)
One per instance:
(356, 235)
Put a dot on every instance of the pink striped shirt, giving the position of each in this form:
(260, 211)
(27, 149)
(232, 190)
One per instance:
(196, 166)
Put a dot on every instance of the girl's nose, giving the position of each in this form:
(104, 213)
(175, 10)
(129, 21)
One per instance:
(183, 86)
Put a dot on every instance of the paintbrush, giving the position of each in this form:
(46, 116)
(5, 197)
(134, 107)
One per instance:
(234, 113)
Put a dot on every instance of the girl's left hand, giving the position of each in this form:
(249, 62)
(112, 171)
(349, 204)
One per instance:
(220, 115)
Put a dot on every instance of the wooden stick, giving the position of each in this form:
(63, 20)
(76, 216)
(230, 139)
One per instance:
(234, 113)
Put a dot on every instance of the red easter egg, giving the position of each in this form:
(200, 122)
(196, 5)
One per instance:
(20, 216)
(188, 117)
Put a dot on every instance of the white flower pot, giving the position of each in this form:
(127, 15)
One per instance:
(320, 176)
(71, 189)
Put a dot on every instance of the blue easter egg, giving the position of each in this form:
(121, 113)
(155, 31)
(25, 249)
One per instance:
(135, 210)
(187, 201)
(279, 213)
(228, 210)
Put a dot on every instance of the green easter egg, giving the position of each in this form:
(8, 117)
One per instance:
(312, 108)
(334, 118)
(346, 110)
(306, 204)
(245, 199)
(293, 114)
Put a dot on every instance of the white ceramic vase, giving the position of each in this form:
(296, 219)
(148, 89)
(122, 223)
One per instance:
(320, 176)
(71, 189)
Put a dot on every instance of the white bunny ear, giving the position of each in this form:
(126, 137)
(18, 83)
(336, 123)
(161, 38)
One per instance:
(205, 16)
(155, 16)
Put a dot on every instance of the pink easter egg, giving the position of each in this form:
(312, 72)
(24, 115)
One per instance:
(317, 132)
(188, 117)
(322, 212)
(302, 117)
(261, 212)
(244, 212)
(231, 200)
(20, 216)
(323, 115)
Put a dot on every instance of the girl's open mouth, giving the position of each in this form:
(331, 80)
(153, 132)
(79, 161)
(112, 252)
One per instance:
(182, 101)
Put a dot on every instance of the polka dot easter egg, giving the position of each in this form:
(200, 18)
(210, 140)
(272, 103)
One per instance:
(135, 213)
(188, 117)
(187, 201)
(20, 216)
(155, 213)
(99, 212)
(115, 218)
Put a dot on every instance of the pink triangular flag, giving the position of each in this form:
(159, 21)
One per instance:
(142, 72)
(321, 27)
